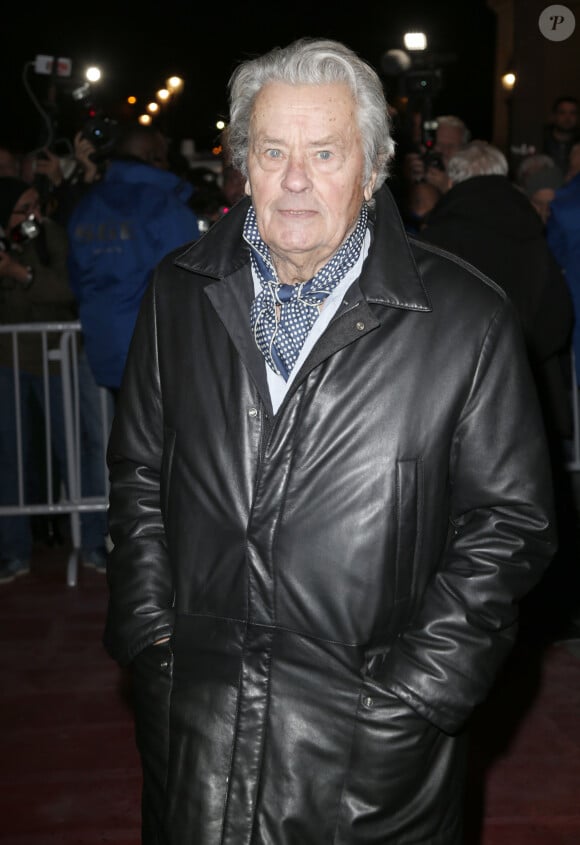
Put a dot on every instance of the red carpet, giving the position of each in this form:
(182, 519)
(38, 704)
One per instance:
(525, 768)
(70, 771)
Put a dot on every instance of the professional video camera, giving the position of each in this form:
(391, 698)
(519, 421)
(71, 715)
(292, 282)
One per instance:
(425, 149)
(97, 128)
(100, 131)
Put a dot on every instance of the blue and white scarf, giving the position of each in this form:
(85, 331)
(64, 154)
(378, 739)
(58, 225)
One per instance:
(280, 336)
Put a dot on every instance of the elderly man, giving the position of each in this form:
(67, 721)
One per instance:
(329, 490)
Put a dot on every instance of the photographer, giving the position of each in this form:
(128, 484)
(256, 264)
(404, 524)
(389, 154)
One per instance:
(137, 213)
(33, 289)
(60, 187)
(430, 165)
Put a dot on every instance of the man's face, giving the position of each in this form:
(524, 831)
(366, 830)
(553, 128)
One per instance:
(28, 204)
(566, 117)
(151, 149)
(305, 173)
(541, 200)
(448, 141)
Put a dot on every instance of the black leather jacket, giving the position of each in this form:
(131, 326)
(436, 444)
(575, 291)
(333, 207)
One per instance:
(339, 580)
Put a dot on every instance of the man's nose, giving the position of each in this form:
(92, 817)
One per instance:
(296, 176)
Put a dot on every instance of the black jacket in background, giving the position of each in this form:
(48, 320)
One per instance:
(490, 223)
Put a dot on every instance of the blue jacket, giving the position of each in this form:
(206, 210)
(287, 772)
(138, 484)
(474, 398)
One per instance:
(563, 228)
(118, 233)
(563, 233)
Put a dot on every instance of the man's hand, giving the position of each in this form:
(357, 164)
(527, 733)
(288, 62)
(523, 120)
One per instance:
(48, 164)
(5, 261)
(12, 269)
(413, 167)
(439, 178)
(83, 152)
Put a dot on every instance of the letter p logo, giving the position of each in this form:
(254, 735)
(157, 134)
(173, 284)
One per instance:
(557, 23)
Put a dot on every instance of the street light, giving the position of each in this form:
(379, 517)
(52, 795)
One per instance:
(145, 119)
(415, 41)
(93, 74)
(508, 81)
(153, 107)
(163, 94)
(174, 84)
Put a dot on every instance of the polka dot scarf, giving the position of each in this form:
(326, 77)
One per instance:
(280, 333)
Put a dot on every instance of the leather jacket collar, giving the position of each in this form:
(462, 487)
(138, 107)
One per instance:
(390, 276)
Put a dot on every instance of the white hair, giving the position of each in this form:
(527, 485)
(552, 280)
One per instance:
(532, 164)
(314, 62)
(478, 158)
(456, 123)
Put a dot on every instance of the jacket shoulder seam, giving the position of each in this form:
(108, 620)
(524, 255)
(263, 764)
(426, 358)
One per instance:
(460, 262)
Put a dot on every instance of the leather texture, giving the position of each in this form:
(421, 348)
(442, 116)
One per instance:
(340, 581)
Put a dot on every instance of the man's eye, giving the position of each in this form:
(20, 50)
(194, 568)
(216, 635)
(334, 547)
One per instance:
(325, 155)
(273, 153)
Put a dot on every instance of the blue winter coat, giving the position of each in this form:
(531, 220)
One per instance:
(118, 233)
(563, 233)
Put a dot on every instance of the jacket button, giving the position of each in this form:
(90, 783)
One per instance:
(164, 664)
(367, 701)
(253, 412)
(360, 326)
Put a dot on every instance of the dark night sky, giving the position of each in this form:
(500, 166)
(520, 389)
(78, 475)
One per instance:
(138, 47)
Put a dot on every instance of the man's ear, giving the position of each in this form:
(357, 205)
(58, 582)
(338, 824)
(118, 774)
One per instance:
(247, 189)
(370, 186)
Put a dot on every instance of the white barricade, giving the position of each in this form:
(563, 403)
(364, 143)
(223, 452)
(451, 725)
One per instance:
(71, 501)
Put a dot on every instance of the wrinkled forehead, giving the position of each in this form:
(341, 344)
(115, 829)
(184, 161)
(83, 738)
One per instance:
(331, 103)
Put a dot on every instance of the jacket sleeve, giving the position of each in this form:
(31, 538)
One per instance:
(556, 236)
(51, 283)
(554, 317)
(501, 538)
(140, 608)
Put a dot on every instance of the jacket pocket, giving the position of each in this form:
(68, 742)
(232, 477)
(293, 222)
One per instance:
(403, 782)
(409, 510)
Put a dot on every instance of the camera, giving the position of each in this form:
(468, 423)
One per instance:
(25, 231)
(100, 131)
(97, 128)
(433, 159)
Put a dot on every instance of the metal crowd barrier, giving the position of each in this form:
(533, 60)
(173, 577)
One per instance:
(70, 499)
